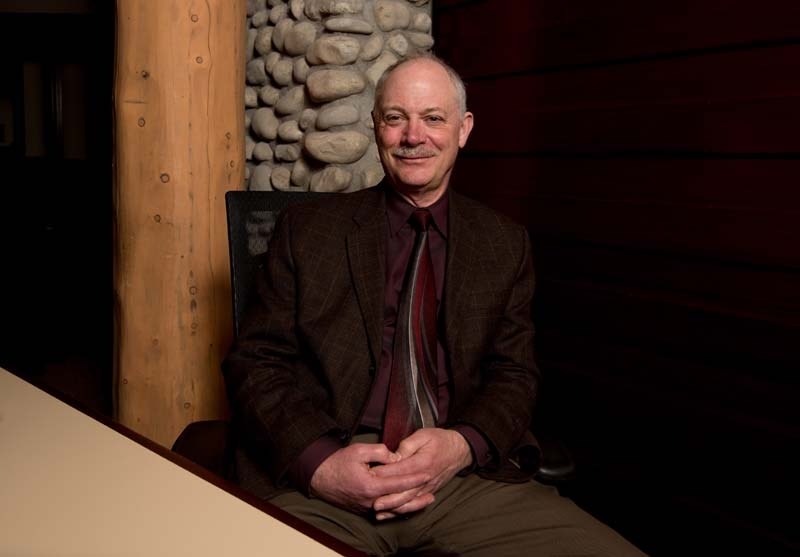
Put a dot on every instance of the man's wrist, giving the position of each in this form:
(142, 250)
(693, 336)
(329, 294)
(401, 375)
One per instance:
(480, 451)
(468, 457)
(302, 470)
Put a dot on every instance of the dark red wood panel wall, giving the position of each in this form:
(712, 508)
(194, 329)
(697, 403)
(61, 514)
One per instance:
(652, 150)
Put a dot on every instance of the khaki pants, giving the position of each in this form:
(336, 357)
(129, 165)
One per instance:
(472, 516)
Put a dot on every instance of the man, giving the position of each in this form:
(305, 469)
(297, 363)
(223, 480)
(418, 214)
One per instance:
(314, 376)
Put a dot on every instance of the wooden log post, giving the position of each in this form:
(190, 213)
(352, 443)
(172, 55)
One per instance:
(179, 117)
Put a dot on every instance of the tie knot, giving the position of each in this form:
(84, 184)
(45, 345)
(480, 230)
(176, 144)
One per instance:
(420, 219)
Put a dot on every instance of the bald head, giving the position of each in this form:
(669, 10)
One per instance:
(459, 90)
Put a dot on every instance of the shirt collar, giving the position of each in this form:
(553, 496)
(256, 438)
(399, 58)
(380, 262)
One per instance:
(398, 210)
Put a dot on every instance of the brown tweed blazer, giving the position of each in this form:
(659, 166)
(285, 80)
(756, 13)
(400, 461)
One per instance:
(304, 361)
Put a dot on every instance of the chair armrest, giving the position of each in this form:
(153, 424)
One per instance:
(557, 466)
(207, 443)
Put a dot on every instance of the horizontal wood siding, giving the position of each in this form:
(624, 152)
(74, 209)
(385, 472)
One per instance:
(652, 151)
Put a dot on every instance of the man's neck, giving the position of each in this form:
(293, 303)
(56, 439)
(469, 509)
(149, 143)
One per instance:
(422, 199)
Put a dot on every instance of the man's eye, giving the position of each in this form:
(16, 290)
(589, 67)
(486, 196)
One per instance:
(435, 119)
(392, 118)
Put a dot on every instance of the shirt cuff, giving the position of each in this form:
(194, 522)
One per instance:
(481, 452)
(302, 469)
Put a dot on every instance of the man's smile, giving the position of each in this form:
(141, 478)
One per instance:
(405, 153)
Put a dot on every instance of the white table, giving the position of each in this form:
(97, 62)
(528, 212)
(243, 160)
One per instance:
(70, 485)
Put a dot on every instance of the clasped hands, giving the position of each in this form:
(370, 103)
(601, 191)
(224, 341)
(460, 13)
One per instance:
(363, 477)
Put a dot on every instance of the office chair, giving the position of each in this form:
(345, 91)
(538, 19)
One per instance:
(251, 220)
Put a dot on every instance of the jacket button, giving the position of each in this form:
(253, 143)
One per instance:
(372, 370)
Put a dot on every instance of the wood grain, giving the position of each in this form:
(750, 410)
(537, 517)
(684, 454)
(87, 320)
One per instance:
(179, 146)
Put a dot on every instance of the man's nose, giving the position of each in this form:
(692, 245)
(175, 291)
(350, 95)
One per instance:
(415, 132)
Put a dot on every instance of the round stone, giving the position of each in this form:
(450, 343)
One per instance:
(337, 50)
(252, 34)
(265, 124)
(278, 13)
(301, 174)
(255, 72)
(250, 97)
(372, 47)
(348, 25)
(317, 9)
(260, 179)
(296, 7)
(280, 178)
(391, 15)
(263, 44)
(279, 33)
(337, 115)
(307, 118)
(336, 147)
(399, 44)
(300, 70)
(299, 38)
(259, 18)
(420, 40)
(282, 72)
(372, 175)
(288, 153)
(421, 22)
(291, 101)
(270, 60)
(328, 85)
(262, 151)
(290, 131)
(269, 95)
(249, 146)
(332, 179)
(385, 61)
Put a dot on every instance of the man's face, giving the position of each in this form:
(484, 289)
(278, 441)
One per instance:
(419, 129)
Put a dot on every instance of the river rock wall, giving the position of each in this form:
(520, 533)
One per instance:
(312, 66)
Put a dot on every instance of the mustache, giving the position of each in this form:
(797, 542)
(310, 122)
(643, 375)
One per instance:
(413, 152)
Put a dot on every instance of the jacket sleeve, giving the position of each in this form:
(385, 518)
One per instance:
(277, 413)
(502, 405)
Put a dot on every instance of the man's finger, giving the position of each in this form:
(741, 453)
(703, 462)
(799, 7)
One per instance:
(416, 504)
(375, 452)
(413, 443)
(379, 487)
(394, 500)
(404, 467)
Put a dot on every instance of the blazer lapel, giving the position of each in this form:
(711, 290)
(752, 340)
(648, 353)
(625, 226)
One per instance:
(366, 255)
(460, 271)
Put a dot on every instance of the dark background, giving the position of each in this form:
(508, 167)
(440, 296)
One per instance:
(651, 148)
(56, 326)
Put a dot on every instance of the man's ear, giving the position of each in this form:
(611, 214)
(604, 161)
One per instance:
(466, 127)
(376, 125)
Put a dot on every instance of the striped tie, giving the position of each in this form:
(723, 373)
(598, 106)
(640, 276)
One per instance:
(411, 403)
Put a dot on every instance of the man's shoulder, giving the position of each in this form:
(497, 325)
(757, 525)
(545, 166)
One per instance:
(335, 207)
(482, 215)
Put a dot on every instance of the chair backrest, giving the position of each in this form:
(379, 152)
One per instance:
(251, 220)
